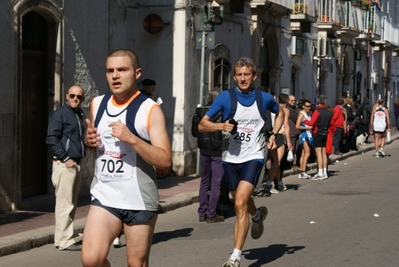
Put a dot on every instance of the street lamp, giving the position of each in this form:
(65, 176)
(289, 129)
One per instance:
(209, 19)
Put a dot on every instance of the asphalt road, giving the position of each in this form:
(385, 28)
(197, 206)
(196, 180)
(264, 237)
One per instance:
(351, 219)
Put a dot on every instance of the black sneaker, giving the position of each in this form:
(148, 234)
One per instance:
(262, 193)
(281, 188)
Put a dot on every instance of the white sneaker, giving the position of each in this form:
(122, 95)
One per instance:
(323, 177)
(232, 262)
(117, 243)
(270, 189)
(315, 177)
(273, 191)
(318, 177)
(303, 175)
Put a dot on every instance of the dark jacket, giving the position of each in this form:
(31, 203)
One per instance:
(349, 112)
(210, 144)
(396, 109)
(65, 134)
(294, 132)
(320, 120)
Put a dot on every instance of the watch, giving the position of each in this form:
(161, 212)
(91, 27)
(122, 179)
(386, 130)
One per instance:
(271, 133)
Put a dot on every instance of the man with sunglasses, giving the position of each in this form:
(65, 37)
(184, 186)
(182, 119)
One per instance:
(65, 135)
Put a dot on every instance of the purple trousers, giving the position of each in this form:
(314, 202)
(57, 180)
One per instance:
(211, 178)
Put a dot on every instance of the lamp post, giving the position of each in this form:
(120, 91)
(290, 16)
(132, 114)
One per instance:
(209, 19)
(207, 40)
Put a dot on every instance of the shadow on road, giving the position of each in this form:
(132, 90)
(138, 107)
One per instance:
(269, 254)
(165, 236)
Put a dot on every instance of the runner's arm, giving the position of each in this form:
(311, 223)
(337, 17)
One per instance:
(388, 119)
(158, 152)
(287, 128)
(208, 126)
(372, 120)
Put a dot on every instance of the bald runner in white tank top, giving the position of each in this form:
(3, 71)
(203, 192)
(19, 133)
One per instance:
(122, 179)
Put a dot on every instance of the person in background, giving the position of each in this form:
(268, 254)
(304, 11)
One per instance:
(210, 145)
(380, 123)
(243, 158)
(365, 110)
(320, 121)
(358, 100)
(259, 190)
(128, 135)
(338, 121)
(294, 132)
(350, 125)
(148, 88)
(330, 135)
(283, 144)
(65, 136)
(396, 112)
(355, 125)
(305, 137)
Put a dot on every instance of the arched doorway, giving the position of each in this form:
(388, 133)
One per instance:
(37, 83)
(34, 104)
(269, 60)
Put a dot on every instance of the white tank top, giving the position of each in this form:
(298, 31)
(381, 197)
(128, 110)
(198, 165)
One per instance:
(306, 116)
(122, 179)
(249, 141)
(380, 120)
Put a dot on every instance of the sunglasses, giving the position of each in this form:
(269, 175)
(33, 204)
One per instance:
(72, 96)
(308, 106)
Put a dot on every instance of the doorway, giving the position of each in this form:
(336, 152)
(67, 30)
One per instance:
(34, 117)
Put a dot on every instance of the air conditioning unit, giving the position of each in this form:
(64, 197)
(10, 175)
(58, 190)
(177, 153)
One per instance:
(297, 46)
(322, 47)
(375, 77)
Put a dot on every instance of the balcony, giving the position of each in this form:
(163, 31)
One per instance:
(278, 7)
(303, 15)
(371, 24)
(363, 4)
(304, 10)
(350, 17)
(328, 20)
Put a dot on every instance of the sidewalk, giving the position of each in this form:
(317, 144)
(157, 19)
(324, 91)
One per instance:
(34, 226)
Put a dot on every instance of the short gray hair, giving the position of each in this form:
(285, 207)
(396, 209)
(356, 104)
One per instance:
(321, 99)
(245, 62)
(212, 94)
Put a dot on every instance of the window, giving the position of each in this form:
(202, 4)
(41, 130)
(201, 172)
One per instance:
(220, 67)
(221, 74)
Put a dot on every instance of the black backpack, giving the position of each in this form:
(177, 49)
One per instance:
(207, 141)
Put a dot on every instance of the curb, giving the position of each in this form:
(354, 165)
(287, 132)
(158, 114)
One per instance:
(42, 236)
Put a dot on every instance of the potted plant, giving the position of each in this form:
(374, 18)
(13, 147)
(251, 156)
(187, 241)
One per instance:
(300, 8)
(325, 18)
(370, 28)
(365, 4)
